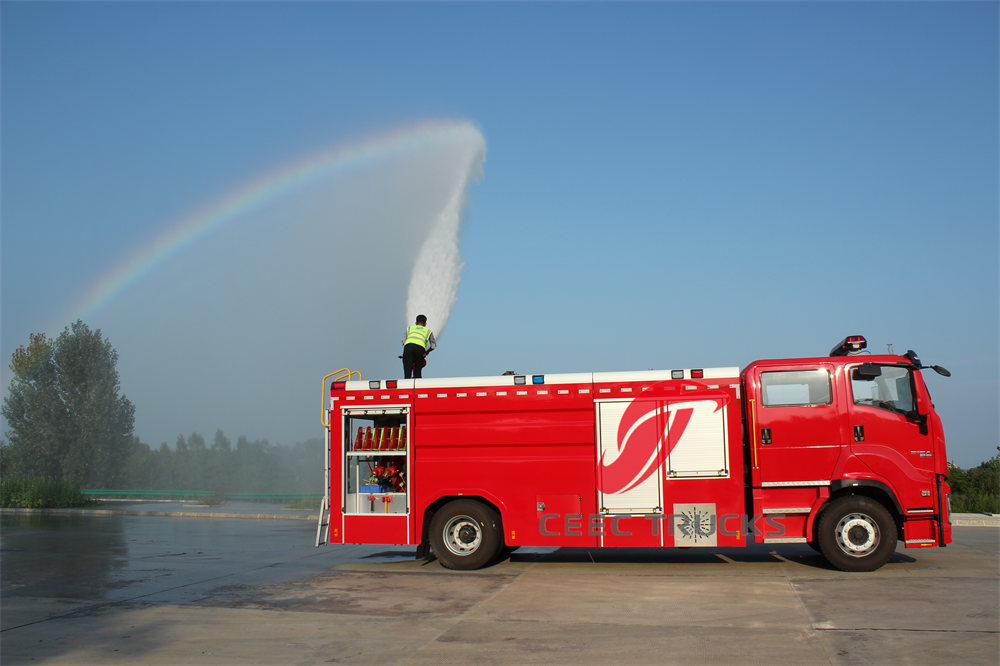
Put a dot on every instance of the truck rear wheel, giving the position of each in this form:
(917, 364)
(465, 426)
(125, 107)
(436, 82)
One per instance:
(857, 534)
(465, 534)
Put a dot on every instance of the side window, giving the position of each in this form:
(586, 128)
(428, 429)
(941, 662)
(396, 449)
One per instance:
(796, 388)
(891, 390)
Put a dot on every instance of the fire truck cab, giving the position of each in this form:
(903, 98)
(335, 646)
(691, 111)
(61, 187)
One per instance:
(844, 452)
(849, 451)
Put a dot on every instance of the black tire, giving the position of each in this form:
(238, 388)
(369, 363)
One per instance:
(465, 534)
(857, 534)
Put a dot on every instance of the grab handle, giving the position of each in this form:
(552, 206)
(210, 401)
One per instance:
(343, 373)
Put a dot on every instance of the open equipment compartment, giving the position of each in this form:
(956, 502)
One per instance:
(376, 460)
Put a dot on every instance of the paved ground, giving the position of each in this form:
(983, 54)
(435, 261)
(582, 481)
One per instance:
(161, 590)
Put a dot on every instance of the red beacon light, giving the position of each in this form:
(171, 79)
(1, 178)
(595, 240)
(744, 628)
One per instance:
(852, 345)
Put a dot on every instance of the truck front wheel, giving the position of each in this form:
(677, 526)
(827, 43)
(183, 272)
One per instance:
(857, 534)
(465, 534)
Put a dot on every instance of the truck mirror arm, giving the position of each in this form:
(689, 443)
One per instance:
(915, 360)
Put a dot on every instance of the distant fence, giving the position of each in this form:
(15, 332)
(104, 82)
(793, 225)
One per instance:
(199, 494)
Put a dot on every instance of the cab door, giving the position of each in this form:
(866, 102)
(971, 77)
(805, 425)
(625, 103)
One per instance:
(889, 433)
(796, 421)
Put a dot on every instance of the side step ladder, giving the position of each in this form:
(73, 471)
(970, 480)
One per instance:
(323, 525)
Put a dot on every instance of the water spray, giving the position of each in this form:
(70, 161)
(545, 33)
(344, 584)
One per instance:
(437, 270)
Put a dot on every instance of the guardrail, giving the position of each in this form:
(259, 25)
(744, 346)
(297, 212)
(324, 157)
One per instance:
(197, 494)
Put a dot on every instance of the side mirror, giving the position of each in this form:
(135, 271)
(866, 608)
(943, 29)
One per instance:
(915, 360)
(867, 371)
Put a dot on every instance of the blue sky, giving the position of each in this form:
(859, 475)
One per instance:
(665, 185)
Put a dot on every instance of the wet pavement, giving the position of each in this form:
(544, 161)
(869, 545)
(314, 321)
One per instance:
(86, 560)
(120, 588)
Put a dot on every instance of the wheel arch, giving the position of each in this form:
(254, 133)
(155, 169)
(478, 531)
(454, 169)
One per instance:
(436, 505)
(870, 488)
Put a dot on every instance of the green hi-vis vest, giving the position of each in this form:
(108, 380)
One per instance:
(418, 335)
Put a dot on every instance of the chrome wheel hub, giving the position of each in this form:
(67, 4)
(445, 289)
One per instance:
(857, 534)
(462, 535)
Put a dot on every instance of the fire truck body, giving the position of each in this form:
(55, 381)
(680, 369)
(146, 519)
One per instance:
(843, 452)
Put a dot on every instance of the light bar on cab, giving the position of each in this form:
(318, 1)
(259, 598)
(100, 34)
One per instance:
(850, 346)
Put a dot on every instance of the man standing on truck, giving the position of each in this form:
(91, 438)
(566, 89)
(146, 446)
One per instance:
(418, 341)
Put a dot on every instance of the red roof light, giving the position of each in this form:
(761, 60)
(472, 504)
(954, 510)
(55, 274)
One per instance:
(850, 346)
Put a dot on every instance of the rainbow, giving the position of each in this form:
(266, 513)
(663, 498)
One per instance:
(254, 193)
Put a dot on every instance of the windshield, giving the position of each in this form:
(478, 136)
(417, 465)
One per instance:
(891, 390)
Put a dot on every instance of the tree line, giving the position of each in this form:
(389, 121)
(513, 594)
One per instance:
(222, 467)
(67, 421)
(976, 489)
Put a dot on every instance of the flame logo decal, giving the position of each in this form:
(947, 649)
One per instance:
(643, 433)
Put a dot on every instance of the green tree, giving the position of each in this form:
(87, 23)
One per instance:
(65, 416)
(34, 417)
(219, 465)
(976, 489)
(222, 443)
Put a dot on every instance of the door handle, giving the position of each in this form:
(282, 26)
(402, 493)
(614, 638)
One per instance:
(765, 435)
(859, 433)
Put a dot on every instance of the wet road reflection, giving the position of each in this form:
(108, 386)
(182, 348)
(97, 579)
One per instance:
(79, 557)
(74, 562)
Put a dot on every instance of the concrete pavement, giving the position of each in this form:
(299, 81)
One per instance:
(148, 589)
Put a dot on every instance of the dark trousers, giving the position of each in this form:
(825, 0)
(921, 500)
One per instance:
(413, 360)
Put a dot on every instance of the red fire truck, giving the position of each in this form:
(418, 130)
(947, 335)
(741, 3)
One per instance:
(843, 452)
